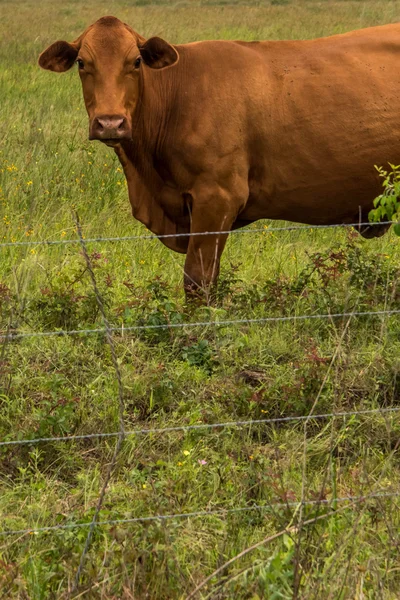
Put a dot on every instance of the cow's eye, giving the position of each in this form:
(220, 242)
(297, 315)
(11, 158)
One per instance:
(137, 62)
(80, 64)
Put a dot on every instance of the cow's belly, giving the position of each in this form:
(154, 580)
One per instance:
(321, 205)
(319, 200)
(323, 175)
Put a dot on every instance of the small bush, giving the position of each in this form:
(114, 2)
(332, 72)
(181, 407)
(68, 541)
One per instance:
(387, 204)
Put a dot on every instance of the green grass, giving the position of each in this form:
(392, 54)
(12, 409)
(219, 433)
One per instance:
(191, 375)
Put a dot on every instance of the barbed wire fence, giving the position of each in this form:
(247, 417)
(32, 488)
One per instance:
(122, 434)
(244, 231)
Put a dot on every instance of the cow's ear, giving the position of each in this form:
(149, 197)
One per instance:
(157, 53)
(59, 57)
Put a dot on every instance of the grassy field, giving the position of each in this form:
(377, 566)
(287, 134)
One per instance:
(56, 386)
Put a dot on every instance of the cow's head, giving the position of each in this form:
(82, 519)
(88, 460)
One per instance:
(110, 57)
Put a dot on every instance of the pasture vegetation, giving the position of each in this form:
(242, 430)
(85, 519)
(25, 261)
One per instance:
(191, 375)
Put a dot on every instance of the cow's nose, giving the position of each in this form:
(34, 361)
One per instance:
(107, 127)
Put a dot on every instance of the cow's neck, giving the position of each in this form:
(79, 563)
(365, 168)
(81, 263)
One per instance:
(150, 125)
(147, 209)
(153, 201)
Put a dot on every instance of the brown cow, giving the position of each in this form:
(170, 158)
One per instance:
(214, 135)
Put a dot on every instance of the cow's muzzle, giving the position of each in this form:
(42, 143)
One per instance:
(106, 127)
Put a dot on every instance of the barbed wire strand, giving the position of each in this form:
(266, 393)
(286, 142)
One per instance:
(222, 323)
(386, 494)
(121, 407)
(200, 233)
(201, 426)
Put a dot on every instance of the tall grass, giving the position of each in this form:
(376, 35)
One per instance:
(67, 385)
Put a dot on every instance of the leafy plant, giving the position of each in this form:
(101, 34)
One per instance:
(199, 354)
(227, 281)
(387, 204)
(151, 306)
(69, 300)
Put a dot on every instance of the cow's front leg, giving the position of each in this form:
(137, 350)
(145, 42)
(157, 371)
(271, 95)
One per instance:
(214, 211)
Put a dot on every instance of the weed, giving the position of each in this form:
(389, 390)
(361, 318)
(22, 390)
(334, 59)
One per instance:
(199, 354)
